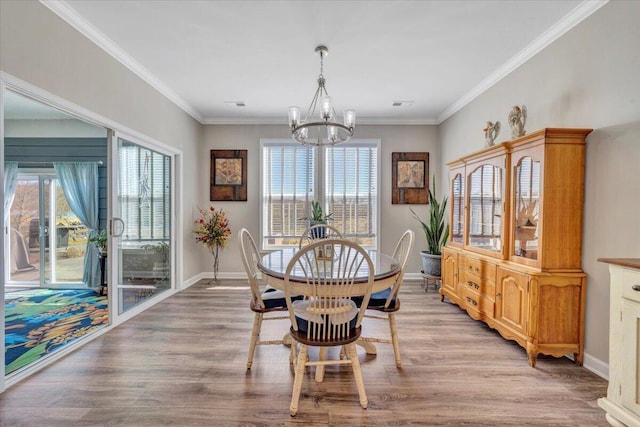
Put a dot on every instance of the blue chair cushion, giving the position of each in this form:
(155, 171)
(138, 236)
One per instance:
(299, 307)
(274, 298)
(377, 300)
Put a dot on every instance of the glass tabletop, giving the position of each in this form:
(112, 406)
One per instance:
(275, 264)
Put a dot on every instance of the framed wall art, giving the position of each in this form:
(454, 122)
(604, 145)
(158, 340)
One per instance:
(228, 179)
(409, 174)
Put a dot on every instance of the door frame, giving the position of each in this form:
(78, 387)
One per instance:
(113, 261)
(10, 82)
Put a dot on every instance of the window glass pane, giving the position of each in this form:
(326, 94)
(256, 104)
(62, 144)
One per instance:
(144, 176)
(351, 191)
(342, 178)
(288, 188)
(485, 208)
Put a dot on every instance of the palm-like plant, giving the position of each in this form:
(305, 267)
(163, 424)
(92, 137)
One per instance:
(435, 230)
(317, 214)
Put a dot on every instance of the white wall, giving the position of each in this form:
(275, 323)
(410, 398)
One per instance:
(38, 47)
(394, 219)
(588, 78)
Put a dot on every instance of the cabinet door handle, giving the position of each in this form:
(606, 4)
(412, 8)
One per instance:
(636, 288)
(498, 295)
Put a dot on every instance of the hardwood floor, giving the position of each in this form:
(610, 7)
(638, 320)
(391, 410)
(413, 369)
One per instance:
(183, 363)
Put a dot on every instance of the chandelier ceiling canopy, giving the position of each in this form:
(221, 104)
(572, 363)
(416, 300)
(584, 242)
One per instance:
(319, 126)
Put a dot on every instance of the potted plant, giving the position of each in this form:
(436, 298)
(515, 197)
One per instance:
(435, 232)
(318, 217)
(100, 240)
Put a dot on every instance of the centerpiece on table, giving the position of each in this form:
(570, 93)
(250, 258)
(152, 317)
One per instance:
(212, 230)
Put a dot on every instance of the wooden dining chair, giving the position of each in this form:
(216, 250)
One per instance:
(385, 304)
(263, 301)
(318, 231)
(325, 272)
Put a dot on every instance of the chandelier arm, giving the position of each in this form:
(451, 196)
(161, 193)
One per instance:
(312, 107)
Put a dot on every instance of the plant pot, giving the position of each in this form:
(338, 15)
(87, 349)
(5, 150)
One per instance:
(431, 263)
(320, 232)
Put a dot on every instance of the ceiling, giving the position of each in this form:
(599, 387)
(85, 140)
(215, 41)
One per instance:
(435, 55)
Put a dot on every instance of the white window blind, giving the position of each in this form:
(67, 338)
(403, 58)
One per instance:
(486, 202)
(351, 190)
(344, 179)
(288, 188)
(144, 179)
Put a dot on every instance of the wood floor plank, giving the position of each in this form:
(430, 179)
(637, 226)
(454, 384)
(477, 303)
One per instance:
(183, 362)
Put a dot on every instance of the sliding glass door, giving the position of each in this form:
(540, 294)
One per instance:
(47, 241)
(142, 225)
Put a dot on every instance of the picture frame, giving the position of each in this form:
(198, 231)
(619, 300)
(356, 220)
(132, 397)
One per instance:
(409, 178)
(228, 175)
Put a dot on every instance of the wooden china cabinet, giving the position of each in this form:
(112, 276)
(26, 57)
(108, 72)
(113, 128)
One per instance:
(513, 259)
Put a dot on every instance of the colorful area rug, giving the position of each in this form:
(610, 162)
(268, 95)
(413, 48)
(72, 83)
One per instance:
(38, 322)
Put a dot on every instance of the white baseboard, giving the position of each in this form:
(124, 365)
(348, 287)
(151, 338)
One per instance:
(413, 276)
(596, 366)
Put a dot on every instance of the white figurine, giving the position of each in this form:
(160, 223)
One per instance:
(517, 119)
(491, 132)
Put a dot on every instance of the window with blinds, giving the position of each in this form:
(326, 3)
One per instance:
(344, 179)
(144, 179)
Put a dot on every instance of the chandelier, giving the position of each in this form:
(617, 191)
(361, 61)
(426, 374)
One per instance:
(319, 126)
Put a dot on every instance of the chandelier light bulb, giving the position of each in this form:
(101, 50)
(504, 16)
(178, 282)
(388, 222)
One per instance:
(332, 132)
(349, 118)
(325, 113)
(304, 132)
(294, 116)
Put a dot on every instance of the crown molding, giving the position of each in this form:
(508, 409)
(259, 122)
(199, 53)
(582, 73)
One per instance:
(577, 15)
(69, 15)
(283, 121)
(573, 18)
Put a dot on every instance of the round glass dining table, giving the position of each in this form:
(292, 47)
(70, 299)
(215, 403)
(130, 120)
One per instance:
(274, 264)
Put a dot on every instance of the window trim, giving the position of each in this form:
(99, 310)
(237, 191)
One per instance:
(319, 179)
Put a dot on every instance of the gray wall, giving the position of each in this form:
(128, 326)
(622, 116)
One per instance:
(40, 48)
(590, 78)
(394, 219)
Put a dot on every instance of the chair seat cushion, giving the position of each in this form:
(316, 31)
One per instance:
(303, 316)
(377, 300)
(274, 298)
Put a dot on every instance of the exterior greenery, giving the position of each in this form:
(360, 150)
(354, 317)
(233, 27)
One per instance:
(433, 226)
(100, 240)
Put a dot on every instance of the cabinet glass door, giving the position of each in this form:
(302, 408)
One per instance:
(526, 208)
(457, 209)
(485, 208)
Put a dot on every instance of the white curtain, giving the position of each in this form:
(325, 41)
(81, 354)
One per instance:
(79, 181)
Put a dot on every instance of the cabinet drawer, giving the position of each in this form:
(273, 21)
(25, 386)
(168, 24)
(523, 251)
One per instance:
(480, 268)
(484, 287)
(476, 302)
(630, 282)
